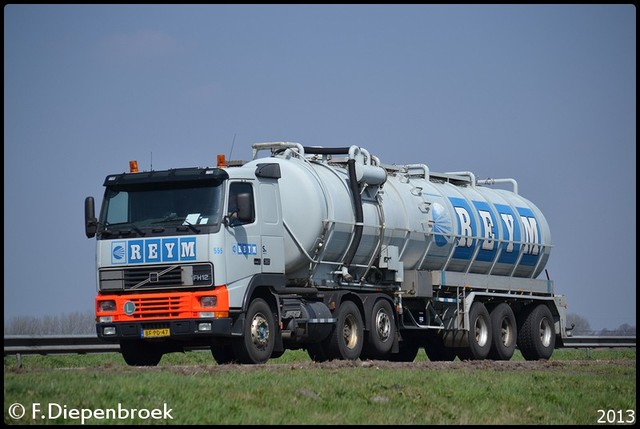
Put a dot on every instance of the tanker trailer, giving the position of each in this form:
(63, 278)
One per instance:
(327, 250)
(440, 261)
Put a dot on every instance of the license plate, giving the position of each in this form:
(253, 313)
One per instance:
(156, 333)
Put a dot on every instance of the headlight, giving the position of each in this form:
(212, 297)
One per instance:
(208, 301)
(108, 305)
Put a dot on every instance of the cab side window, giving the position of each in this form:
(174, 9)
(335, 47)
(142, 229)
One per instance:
(241, 210)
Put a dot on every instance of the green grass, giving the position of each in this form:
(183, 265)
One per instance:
(569, 389)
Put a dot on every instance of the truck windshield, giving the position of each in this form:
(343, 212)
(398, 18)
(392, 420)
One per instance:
(161, 205)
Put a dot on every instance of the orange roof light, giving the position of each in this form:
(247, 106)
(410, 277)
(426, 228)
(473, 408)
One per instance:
(221, 161)
(133, 166)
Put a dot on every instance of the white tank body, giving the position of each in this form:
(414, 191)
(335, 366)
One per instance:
(433, 221)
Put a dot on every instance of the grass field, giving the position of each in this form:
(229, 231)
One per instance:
(574, 387)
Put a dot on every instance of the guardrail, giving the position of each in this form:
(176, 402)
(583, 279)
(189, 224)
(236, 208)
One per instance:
(81, 344)
(587, 341)
(56, 344)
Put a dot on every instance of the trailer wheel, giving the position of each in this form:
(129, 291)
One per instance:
(258, 340)
(139, 353)
(382, 333)
(479, 334)
(437, 351)
(504, 336)
(536, 337)
(222, 352)
(346, 341)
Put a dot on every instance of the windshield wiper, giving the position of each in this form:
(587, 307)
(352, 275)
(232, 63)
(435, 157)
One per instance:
(191, 226)
(135, 228)
(169, 218)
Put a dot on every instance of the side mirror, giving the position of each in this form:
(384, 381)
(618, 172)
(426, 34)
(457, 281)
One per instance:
(245, 208)
(90, 221)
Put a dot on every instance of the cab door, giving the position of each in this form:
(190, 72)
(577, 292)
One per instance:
(242, 231)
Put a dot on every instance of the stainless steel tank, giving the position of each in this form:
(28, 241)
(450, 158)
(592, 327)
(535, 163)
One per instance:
(430, 221)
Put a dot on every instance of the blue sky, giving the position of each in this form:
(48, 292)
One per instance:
(545, 94)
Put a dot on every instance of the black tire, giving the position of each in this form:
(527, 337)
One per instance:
(536, 335)
(383, 329)
(140, 353)
(505, 332)
(479, 334)
(259, 336)
(222, 352)
(347, 339)
(437, 351)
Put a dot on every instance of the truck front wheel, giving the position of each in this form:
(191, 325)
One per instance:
(258, 339)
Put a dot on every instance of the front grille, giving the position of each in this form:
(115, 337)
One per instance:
(148, 308)
(156, 277)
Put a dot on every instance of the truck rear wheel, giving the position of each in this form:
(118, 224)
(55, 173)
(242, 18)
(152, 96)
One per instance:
(503, 324)
(258, 339)
(346, 340)
(382, 333)
(139, 353)
(536, 337)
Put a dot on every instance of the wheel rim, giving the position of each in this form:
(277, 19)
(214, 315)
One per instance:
(350, 332)
(260, 331)
(383, 325)
(506, 332)
(545, 332)
(482, 334)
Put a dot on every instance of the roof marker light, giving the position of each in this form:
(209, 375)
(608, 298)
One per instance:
(133, 166)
